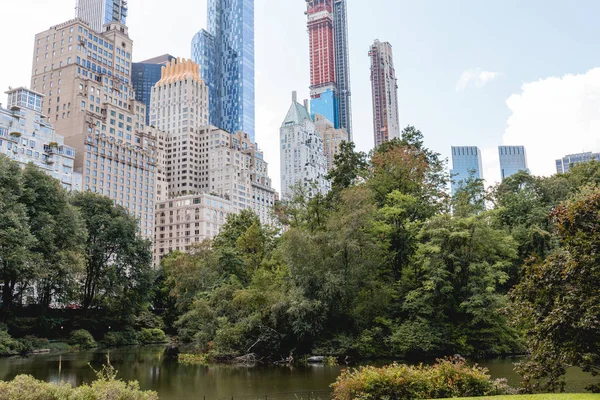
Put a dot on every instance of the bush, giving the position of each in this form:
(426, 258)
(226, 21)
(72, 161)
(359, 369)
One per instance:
(192, 359)
(30, 343)
(8, 345)
(447, 378)
(82, 338)
(107, 387)
(119, 339)
(150, 336)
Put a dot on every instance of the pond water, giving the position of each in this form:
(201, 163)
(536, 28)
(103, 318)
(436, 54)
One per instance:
(172, 381)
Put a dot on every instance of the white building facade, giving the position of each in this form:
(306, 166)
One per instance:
(303, 161)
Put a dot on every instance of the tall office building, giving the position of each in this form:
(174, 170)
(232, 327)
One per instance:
(27, 137)
(512, 160)
(178, 106)
(331, 137)
(97, 13)
(564, 164)
(86, 80)
(384, 87)
(342, 66)
(144, 76)
(323, 86)
(225, 53)
(466, 160)
(302, 159)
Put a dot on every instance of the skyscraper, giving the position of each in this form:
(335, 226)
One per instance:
(512, 160)
(225, 53)
(90, 100)
(323, 87)
(144, 76)
(342, 66)
(302, 159)
(384, 86)
(332, 138)
(564, 164)
(466, 160)
(100, 12)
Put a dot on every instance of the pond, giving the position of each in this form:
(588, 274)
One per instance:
(172, 381)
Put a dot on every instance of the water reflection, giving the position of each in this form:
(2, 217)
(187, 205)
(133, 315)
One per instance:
(174, 381)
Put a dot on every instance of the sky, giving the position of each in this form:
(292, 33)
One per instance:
(470, 72)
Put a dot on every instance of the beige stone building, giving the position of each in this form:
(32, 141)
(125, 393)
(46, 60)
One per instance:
(187, 220)
(85, 77)
(179, 105)
(331, 137)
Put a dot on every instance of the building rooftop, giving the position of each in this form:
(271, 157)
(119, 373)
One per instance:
(297, 112)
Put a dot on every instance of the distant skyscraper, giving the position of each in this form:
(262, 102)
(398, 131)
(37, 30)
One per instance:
(386, 121)
(225, 53)
(144, 76)
(564, 164)
(465, 160)
(323, 87)
(100, 12)
(302, 159)
(332, 138)
(512, 160)
(342, 66)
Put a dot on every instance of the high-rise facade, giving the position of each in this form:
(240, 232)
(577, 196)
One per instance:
(302, 159)
(144, 76)
(26, 137)
(97, 13)
(323, 86)
(331, 137)
(466, 161)
(342, 66)
(512, 160)
(225, 53)
(178, 107)
(384, 87)
(85, 77)
(564, 164)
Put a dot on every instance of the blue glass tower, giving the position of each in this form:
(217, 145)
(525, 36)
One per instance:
(512, 160)
(225, 53)
(144, 76)
(100, 12)
(465, 160)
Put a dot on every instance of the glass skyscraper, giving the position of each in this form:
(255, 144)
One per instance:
(100, 12)
(466, 160)
(512, 160)
(564, 164)
(144, 76)
(225, 53)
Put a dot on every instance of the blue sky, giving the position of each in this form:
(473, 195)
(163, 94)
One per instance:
(540, 54)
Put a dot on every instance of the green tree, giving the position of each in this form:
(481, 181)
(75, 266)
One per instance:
(18, 266)
(118, 261)
(349, 166)
(558, 301)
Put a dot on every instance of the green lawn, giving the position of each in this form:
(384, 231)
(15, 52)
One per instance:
(562, 396)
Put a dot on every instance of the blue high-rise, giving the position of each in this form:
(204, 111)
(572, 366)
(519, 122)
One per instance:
(466, 160)
(512, 160)
(225, 53)
(100, 12)
(144, 76)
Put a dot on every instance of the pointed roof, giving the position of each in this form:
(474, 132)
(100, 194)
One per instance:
(296, 114)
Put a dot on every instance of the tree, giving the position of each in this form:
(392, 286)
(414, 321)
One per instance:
(118, 261)
(17, 262)
(60, 236)
(558, 302)
(349, 166)
(453, 287)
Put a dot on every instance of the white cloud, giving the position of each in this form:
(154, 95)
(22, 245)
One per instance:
(475, 76)
(554, 117)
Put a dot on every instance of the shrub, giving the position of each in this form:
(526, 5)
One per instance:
(9, 345)
(153, 335)
(106, 387)
(447, 378)
(119, 339)
(82, 338)
(192, 359)
(31, 343)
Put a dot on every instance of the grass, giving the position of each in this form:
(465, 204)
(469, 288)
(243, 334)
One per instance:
(562, 396)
